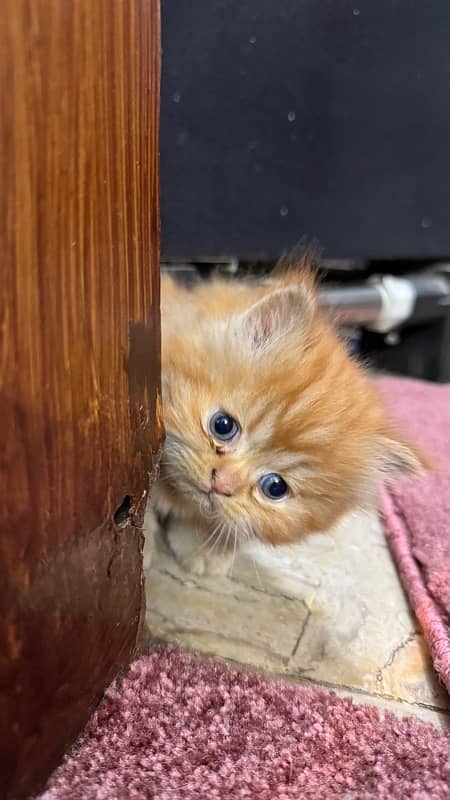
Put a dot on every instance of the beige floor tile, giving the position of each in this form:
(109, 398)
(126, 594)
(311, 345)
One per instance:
(330, 610)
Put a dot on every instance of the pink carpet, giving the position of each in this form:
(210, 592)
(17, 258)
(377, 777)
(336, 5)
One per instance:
(184, 728)
(417, 518)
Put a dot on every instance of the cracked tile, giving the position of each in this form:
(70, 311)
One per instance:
(222, 616)
(330, 610)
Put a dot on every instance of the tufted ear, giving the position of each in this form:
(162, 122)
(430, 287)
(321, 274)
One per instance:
(284, 310)
(401, 458)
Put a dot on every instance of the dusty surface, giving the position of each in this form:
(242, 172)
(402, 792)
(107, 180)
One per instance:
(329, 611)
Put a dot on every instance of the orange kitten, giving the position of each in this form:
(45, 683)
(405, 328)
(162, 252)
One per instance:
(273, 431)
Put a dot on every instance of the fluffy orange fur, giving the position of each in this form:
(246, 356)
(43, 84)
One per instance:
(306, 410)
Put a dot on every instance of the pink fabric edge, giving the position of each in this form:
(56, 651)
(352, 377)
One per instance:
(413, 584)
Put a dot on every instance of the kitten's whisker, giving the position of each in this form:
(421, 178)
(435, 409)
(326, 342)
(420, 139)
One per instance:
(216, 543)
(235, 536)
(225, 546)
(206, 542)
(247, 531)
(257, 573)
(250, 535)
(211, 541)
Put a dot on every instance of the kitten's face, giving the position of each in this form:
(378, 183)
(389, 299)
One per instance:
(222, 457)
(271, 430)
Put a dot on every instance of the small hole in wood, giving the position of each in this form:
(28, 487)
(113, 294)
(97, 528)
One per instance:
(122, 514)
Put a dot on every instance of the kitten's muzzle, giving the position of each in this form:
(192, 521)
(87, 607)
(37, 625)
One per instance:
(222, 483)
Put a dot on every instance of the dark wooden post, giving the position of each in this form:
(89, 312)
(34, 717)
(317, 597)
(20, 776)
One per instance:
(80, 424)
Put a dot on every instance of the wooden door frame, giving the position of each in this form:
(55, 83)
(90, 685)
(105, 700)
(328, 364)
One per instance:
(80, 415)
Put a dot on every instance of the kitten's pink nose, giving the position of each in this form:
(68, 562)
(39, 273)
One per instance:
(222, 483)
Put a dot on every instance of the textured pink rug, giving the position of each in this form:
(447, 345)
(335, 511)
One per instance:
(184, 728)
(417, 513)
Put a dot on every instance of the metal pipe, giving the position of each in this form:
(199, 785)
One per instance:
(355, 304)
(387, 302)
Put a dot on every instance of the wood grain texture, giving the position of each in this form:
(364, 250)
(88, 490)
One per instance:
(79, 359)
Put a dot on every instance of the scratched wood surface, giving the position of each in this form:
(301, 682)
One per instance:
(79, 359)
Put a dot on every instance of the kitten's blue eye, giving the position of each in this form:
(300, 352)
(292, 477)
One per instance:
(273, 486)
(223, 427)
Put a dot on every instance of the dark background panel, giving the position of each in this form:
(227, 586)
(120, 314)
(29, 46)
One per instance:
(328, 119)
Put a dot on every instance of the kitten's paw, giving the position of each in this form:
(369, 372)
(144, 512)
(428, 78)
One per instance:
(186, 546)
(209, 565)
(206, 566)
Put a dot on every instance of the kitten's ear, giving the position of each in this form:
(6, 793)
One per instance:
(402, 458)
(284, 310)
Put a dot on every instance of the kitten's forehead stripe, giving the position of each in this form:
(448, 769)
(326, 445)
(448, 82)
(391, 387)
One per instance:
(304, 401)
(263, 429)
(259, 412)
(289, 424)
